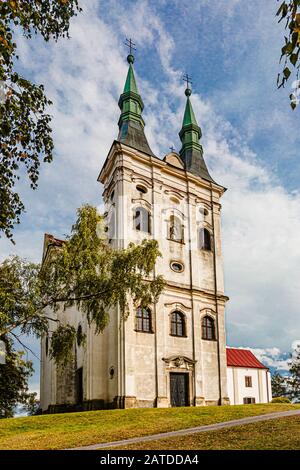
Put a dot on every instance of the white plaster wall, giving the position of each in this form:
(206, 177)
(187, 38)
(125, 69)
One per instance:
(230, 387)
(237, 391)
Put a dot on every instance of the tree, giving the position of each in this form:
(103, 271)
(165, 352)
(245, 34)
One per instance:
(294, 379)
(26, 136)
(85, 271)
(278, 385)
(14, 376)
(290, 12)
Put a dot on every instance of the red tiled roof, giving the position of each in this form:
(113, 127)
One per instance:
(242, 358)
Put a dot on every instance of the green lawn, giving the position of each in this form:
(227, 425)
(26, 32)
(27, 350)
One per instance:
(74, 429)
(277, 434)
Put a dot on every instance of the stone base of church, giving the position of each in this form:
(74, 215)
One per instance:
(126, 403)
(212, 402)
(162, 402)
(133, 402)
(199, 401)
(88, 405)
(62, 408)
(225, 401)
(91, 405)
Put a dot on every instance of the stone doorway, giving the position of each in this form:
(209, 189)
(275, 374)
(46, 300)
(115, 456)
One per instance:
(179, 389)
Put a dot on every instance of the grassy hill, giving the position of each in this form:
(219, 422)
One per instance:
(277, 434)
(61, 431)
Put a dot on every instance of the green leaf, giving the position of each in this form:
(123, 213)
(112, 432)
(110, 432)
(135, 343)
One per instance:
(293, 99)
(286, 73)
(280, 9)
(293, 59)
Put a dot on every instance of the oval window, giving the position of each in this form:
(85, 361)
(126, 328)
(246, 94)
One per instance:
(175, 200)
(203, 211)
(141, 189)
(177, 267)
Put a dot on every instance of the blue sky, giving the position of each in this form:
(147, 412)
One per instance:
(250, 138)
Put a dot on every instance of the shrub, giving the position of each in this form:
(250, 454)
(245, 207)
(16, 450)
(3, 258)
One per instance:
(280, 400)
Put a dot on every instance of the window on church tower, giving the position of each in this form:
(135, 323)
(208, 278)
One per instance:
(177, 324)
(204, 239)
(143, 320)
(142, 220)
(208, 328)
(176, 230)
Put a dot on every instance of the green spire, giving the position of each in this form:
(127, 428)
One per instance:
(131, 124)
(130, 84)
(130, 102)
(189, 115)
(191, 151)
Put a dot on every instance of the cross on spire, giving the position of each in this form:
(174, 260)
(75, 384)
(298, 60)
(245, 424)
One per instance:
(172, 148)
(130, 44)
(188, 79)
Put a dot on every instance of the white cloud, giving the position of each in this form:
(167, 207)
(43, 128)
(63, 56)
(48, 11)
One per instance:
(272, 357)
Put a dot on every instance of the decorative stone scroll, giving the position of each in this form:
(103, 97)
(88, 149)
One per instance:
(179, 362)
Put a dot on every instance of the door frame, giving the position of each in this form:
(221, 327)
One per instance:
(180, 364)
(187, 385)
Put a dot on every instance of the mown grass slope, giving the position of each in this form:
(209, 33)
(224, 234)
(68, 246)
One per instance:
(277, 434)
(67, 430)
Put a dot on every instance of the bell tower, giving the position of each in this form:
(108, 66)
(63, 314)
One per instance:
(174, 352)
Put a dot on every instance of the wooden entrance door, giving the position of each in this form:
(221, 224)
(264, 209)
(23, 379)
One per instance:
(179, 389)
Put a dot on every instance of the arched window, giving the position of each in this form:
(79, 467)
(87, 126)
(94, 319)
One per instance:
(208, 328)
(177, 324)
(47, 345)
(176, 231)
(142, 220)
(143, 320)
(204, 239)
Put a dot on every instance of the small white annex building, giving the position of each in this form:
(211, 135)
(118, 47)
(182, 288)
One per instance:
(248, 380)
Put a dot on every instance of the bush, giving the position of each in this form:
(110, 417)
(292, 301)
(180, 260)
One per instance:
(280, 400)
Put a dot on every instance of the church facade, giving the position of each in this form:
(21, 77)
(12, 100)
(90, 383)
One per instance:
(174, 352)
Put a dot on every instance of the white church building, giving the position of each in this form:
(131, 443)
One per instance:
(173, 353)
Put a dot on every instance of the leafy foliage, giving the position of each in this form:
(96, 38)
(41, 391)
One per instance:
(26, 136)
(62, 343)
(289, 11)
(294, 379)
(13, 382)
(281, 400)
(86, 272)
(278, 385)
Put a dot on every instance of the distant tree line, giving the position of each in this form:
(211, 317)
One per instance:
(288, 386)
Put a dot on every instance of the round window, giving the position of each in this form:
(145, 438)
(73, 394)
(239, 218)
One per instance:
(175, 200)
(141, 189)
(203, 211)
(177, 266)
